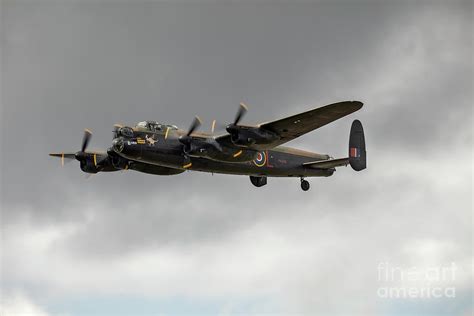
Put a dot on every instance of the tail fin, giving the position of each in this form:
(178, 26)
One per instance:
(357, 153)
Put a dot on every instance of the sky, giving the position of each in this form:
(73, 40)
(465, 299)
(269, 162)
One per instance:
(127, 243)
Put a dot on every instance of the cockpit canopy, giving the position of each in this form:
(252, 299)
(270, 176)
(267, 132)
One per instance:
(154, 126)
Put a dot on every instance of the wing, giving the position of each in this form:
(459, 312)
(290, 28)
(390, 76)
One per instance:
(291, 127)
(294, 126)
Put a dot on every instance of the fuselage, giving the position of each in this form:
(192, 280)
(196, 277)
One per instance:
(163, 148)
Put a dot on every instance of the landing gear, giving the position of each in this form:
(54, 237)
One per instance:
(258, 181)
(304, 185)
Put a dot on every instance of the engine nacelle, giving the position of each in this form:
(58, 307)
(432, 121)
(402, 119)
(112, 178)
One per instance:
(87, 167)
(87, 164)
(240, 139)
(118, 162)
(246, 136)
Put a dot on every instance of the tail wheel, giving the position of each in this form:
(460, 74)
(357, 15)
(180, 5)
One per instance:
(304, 185)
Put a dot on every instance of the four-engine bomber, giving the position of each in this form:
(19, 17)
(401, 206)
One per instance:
(256, 151)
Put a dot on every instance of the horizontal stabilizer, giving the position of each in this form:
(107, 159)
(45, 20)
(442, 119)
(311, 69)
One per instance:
(327, 164)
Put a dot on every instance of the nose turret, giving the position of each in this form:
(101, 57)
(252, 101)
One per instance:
(128, 148)
(118, 144)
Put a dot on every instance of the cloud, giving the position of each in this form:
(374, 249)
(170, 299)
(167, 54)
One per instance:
(197, 237)
(20, 305)
(282, 257)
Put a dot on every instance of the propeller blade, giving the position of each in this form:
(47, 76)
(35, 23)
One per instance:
(66, 155)
(240, 113)
(213, 126)
(63, 156)
(196, 123)
(216, 126)
(86, 139)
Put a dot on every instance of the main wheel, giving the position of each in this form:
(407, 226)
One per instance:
(304, 185)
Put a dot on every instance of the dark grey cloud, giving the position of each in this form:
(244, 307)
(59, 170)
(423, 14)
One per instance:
(68, 66)
(94, 65)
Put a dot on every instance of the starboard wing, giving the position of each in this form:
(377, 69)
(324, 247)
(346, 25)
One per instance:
(294, 126)
(291, 127)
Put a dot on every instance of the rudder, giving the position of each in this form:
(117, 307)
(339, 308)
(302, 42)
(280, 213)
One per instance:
(357, 152)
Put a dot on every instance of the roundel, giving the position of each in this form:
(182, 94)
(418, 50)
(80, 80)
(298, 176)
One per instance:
(261, 159)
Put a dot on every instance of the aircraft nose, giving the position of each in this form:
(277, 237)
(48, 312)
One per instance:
(118, 144)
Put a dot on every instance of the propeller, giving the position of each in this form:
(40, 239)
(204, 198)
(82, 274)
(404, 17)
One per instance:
(238, 117)
(240, 113)
(187, 139)
(215, 125)
(80, 155)
(194, 125)
(85, 139)
(63, 156)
